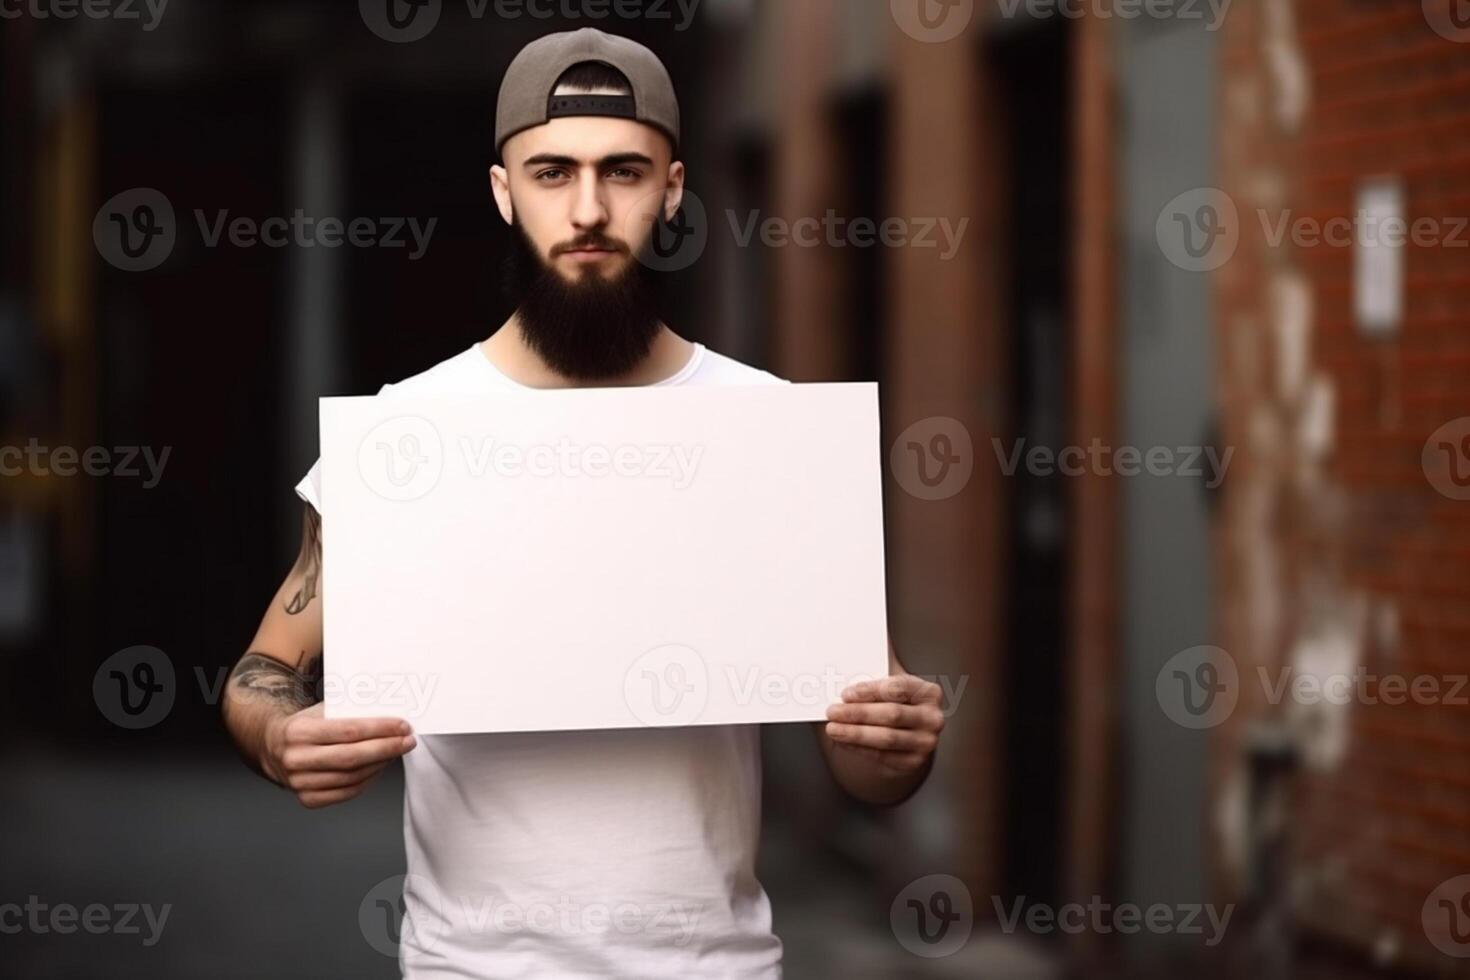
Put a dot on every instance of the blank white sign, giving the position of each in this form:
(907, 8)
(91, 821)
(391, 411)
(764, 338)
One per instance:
(601, 558)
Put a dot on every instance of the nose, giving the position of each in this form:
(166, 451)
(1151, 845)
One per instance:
(589, 210)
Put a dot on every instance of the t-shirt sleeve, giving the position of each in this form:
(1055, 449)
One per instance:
(310, 487)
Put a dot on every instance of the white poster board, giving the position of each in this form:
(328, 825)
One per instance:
(602, 557)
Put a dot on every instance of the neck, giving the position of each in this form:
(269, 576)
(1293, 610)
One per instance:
(512, 356)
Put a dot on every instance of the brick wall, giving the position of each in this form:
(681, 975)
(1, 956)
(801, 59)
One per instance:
(1335, 548)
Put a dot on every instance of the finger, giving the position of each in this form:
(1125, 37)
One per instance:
(314, 799)
(336, 731)
(335, 758)
(905, 762)
(334, 780)
(902, 688)
(885, 739)
(922, 717)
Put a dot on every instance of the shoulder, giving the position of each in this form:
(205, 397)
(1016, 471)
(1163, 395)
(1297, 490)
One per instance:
(465, 371)
(720, 369)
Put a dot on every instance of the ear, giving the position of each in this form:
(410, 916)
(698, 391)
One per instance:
(500, 187)
(674, 194)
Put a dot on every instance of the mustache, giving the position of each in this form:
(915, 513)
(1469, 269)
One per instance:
(591, 240)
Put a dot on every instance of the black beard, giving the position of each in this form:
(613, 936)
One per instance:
(589, 329)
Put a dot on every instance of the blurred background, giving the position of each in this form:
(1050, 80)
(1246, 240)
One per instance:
(1177, 493)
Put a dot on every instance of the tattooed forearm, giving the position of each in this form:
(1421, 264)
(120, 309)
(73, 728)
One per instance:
(309, 563)
(257, 676)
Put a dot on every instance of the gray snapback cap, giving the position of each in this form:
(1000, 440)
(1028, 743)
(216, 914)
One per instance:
(527, 98)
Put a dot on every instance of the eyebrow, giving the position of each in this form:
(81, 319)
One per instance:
(611, 160)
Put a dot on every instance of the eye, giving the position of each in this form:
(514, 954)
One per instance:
(624, 174)
(551, 174)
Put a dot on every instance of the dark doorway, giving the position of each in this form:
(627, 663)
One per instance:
(861, 118)
(182, 354)
(1030, 64)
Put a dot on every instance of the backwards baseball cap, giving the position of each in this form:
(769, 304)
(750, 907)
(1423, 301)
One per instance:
(528, 98)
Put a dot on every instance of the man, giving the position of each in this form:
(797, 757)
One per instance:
(624, 853)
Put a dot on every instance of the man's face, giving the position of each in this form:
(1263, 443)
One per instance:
(586, 190)
(583, 194)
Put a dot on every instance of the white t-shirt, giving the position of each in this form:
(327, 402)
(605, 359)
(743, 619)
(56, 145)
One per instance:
(627, 853)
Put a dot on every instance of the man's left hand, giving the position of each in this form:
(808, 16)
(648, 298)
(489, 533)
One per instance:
(895, 722)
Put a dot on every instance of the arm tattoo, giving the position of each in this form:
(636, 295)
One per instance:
(269, 679)
(308, 563)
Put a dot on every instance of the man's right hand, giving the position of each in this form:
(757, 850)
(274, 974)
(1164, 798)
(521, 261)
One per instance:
(331, 760)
